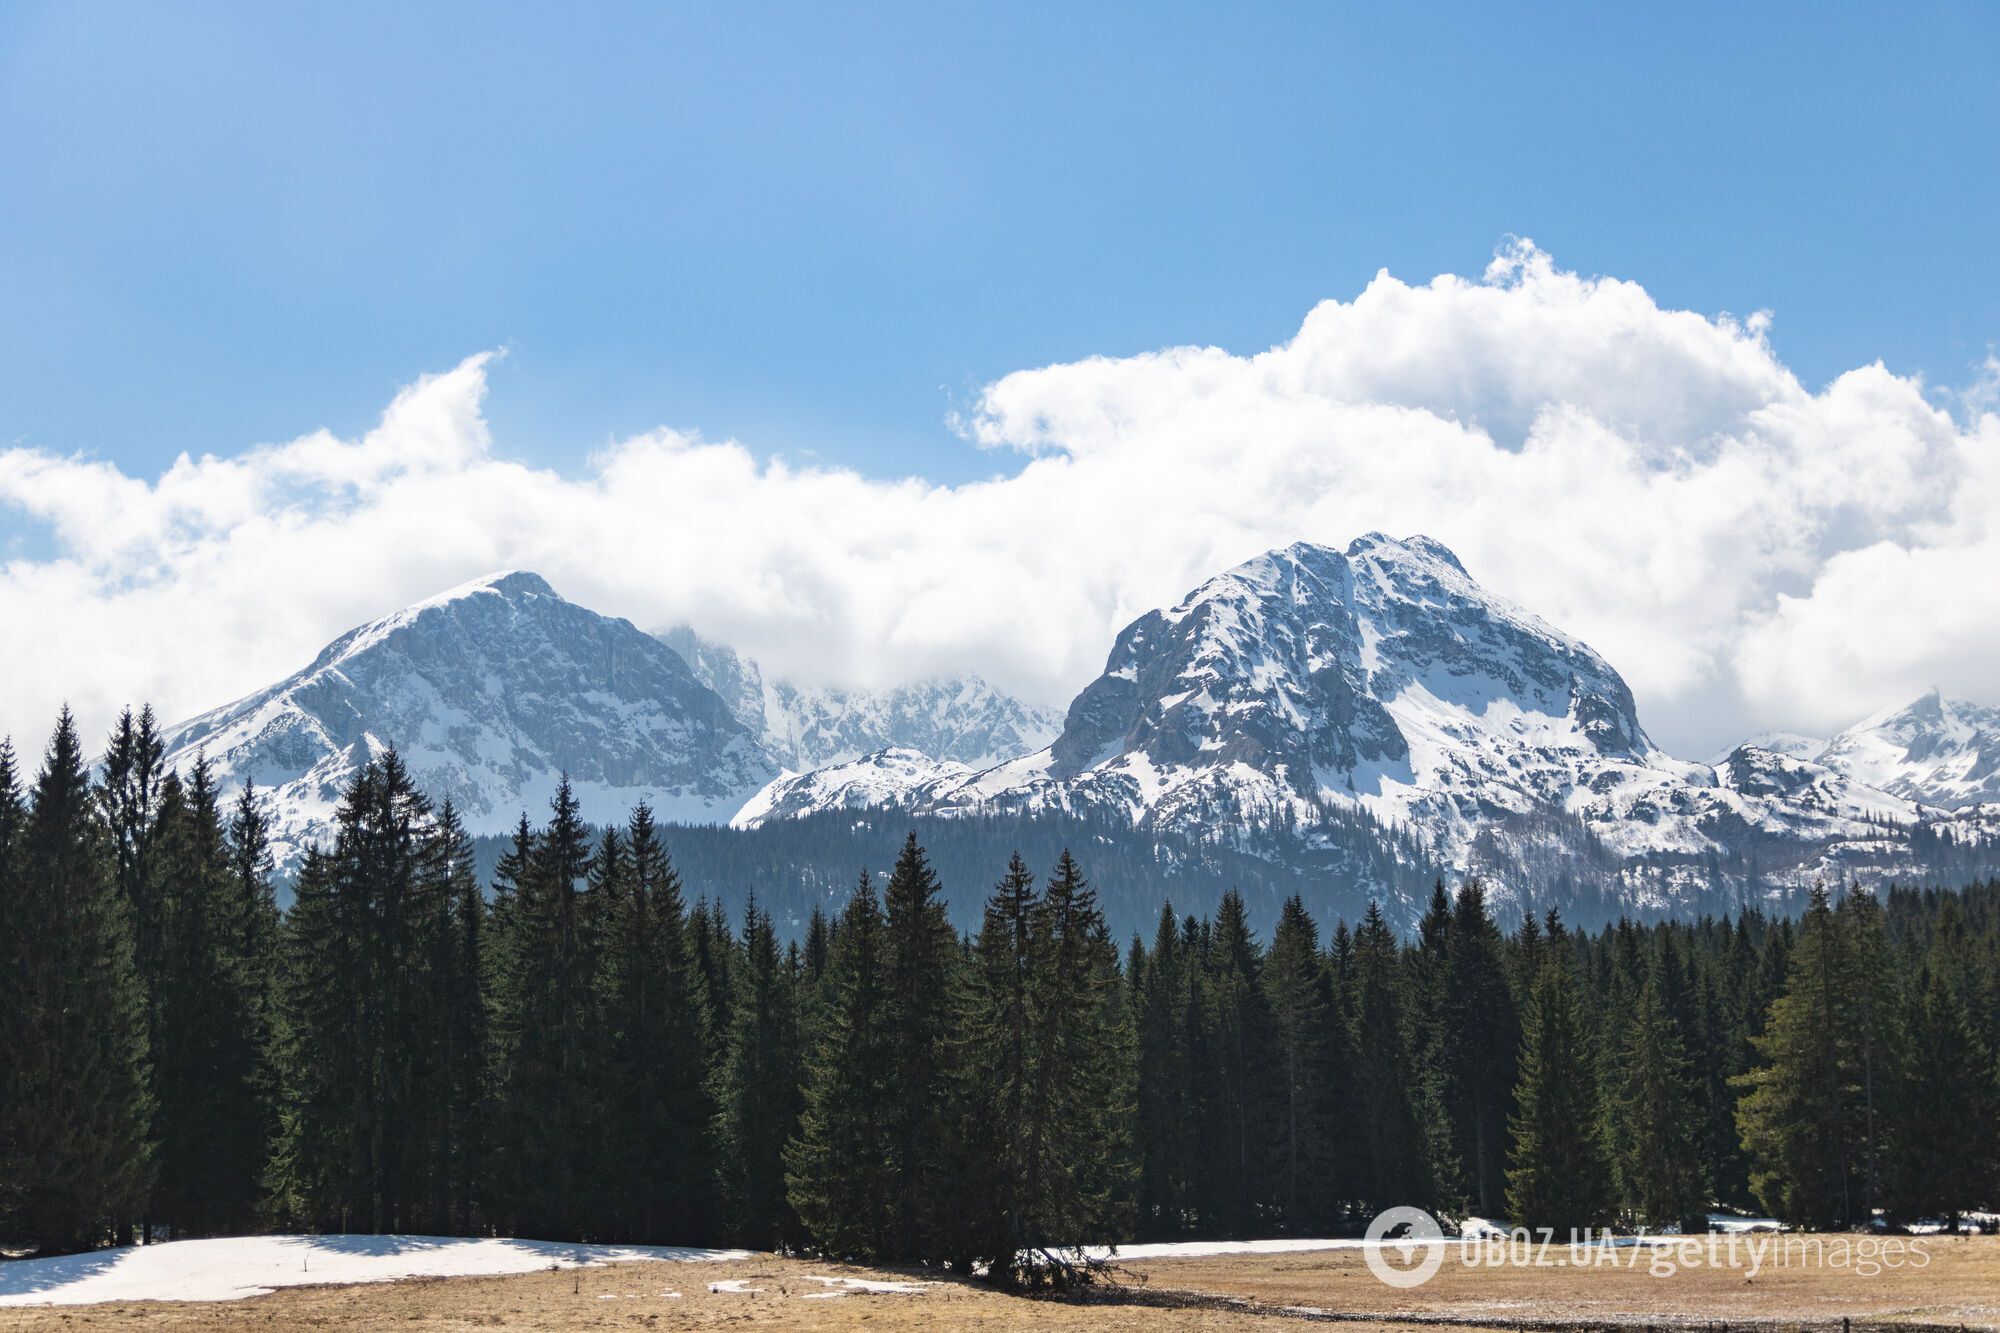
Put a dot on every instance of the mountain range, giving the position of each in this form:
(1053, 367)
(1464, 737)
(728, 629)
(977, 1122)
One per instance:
(1362, 716)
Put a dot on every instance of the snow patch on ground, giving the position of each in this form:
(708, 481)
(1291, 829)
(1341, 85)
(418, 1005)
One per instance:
(233, 1268)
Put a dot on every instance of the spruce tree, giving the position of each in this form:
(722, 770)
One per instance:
(79, 1116)
(1560, 1178)
(1945, 1145)
(1802, 1112)
(548, 1035)
(923, 960)
(1660, 1162)
(1164, 1116)
(1299, 991)
(456, 1094)
(1481, 1035)
(1241, 1134)
(210, 1112)
(1073, 1162)
(659, 1115)
(1393, 1166)
(757, 1091)
(15, 996)
(998, 1071)
(840, 1177)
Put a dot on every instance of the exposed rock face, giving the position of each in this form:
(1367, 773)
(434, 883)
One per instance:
(1311, 686)
(1941, 752)
(490, 692)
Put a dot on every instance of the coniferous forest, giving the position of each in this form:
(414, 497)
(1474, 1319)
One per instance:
(576, 1050)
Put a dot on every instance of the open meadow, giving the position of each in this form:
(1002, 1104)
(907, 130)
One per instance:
(1955, 1284)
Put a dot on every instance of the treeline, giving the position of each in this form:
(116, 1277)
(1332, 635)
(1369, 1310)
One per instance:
(575, 1051)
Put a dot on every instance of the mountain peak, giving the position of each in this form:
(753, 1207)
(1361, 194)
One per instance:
(491, 691)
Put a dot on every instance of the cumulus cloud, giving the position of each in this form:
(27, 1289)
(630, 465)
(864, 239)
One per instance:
(1748, 551)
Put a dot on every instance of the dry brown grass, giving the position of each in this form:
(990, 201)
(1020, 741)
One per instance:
(1960, 1285)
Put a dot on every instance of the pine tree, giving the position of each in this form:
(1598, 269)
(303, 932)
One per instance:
(757, 1091)
(210, 1114)
(1561, 1178)
(456, 1089)
(1802, 1111)
(1393, 1166)
(1878, 1012)
(79, 1114)
(840, 1177)
(256, 929)
(1073, 1167)
(922, 959)
(1660, 1164)
(1945, 1145)
(1300, 995)
(1164, 1117)
(659, 1117)
(999, 1072)
(1242, 1120)
(1480, 1038)
(358, 1146)
(548, 1034)
(15, 996)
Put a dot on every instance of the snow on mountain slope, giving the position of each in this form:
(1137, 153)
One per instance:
(1941, 752)
(885, 778)
(490, 692)
(1383, 679)
(963, 720)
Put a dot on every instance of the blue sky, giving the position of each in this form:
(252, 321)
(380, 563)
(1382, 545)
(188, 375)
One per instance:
(819, 229)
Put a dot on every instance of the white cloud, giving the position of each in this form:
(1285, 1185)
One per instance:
(1748, 552)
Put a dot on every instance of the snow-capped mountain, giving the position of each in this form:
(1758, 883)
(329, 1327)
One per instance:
(962, 721)
(1310, 685)
(489, 692)
(1938, 751)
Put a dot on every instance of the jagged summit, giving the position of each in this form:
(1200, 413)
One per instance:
(1938, 750)
(1312, 686)
(490, 691)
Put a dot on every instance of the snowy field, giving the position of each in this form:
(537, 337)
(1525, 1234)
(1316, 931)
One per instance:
(231, 1269)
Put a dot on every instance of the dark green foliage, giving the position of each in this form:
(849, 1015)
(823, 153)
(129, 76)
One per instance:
(1241, 1107)
(210, 1087)
(583, 1056)
(839, 1174)
(1946, 1141)
(1062, 1178)
(659, 1116)
(1393, 1164)
(922, 967)
(1803, 1113)
(78, 1120)
(757, 1091)
(1561, 1177)
(1658, 1164)
(1164, 1123)
(548, 1034)
(1309, 1073)
(1481, 1034)
(382, 1099)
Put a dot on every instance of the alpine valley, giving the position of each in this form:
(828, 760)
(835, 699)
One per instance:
(1345, 724)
